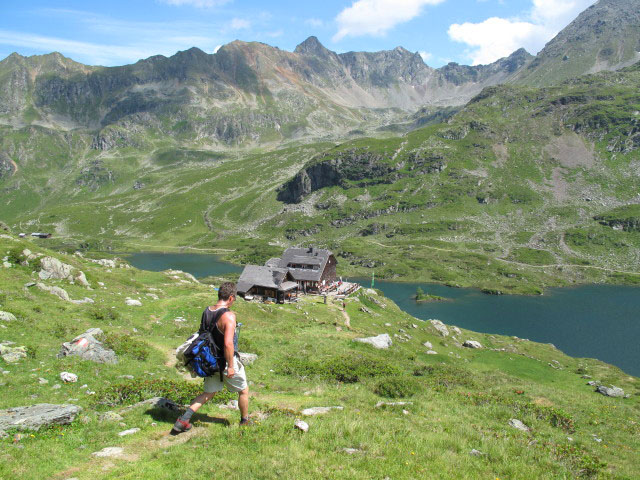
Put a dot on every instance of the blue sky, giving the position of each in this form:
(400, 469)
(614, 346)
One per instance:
(117, 32)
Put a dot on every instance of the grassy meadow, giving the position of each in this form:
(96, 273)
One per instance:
(458, 400)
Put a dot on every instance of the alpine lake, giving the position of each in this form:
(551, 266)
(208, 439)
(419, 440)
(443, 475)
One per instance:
(598, 321)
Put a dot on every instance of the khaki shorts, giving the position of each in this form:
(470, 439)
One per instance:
(235, 384)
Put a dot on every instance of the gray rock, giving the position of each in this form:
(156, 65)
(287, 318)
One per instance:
(610, 392)
(59, 292)
(156, 402)
(515, 423)
(87, 347)
(382, 341)
(133, 302)
(319, 410)
(456, 330)
(109, 452)
(110, 417)
(29, 284)
(7, 265)
(301, 425)
(54, 268)
(472, 344)
(36, 416)
(68, 377)
(440, 327)
(428, 345)
(43, 381)
(12, 354)
(57, 386)
(131, 431)
(7, 317)
(247, 358)
(351, 451)
(431, 352)
(231, 405)
(593, 383)
(476, 453)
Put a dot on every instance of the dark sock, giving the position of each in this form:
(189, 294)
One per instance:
(186, 416)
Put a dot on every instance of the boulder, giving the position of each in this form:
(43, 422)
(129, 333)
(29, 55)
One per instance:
(301, 425)
(472, 344)
(382, 341)
(456, 330)
(428, 345)
(247, 358)
(59, 292)
(308, 412)
(440, 327)
(36, 416)
(7, 317)
(610, 392)
(133, 302)
(54, 268)
(515, 423)
(105, 262)
(88, 347)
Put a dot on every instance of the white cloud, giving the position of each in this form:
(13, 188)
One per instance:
(196, 3)
(275, 33)
(240, 23)
(495, 37)
(377, 17)
(426, 56)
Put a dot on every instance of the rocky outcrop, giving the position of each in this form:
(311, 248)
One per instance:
(94, 176)
(88, 347)
(610, 392)
(36, 416)
(382, 341)
(52, 268)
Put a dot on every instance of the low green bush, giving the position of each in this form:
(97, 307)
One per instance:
(396, 387)
(128, 393)
(443, 377)
(343, 368)
(103, 313)
(126, 345)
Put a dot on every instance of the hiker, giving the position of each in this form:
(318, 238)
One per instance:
(222, 323)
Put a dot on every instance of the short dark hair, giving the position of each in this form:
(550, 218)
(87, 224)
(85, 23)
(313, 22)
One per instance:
(226, 290)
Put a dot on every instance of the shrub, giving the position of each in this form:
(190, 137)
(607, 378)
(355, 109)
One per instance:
(103, 313)
(396, 387)
(344, 368)
(443, 377)
(124, 344)
(15, 255)
(60, 330)
(181, 392)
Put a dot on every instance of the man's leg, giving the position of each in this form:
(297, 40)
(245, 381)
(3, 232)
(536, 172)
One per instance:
(182, 424)
(243, 404)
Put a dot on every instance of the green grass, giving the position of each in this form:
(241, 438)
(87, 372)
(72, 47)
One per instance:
(457, 402)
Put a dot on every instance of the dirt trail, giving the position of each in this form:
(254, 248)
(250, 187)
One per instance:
(347, 319)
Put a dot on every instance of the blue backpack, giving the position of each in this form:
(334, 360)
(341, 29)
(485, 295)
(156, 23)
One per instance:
(204, 357)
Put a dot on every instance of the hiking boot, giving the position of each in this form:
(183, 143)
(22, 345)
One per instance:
(245, 422)
(181, 426)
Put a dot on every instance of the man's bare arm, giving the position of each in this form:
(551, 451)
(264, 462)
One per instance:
(229, 325)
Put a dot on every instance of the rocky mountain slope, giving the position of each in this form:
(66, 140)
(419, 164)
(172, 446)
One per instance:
(246, 92)
(606, 36)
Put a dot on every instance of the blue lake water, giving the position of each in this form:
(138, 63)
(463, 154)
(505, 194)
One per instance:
(599, 321)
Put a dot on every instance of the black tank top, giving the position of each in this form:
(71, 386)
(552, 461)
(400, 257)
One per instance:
(209, 323)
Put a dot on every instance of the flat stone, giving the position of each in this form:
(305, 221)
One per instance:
(515, 423)
(615, 392)
(43, 381)
(428, 345)
(301, 425)
(156, 402)
(319, 410)
(440, 327)
(35, 416)
(131, 431)
(133, 302)
(472, 344)
(247, 358)
(12, 354)
(109, 452)
(7, 317)
(431, 352)
(351, 451)
(57, 291)
(231, 405)
(382, 341)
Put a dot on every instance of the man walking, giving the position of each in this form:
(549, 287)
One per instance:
(222, 325)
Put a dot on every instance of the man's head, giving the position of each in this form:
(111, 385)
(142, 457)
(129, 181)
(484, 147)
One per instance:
(226, 291)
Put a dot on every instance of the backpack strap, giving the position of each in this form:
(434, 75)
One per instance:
(209, 323)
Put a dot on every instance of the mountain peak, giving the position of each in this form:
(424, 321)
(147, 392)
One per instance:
(312, 46)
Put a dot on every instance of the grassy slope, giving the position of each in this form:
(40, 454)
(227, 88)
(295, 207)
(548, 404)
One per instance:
(461, 398)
